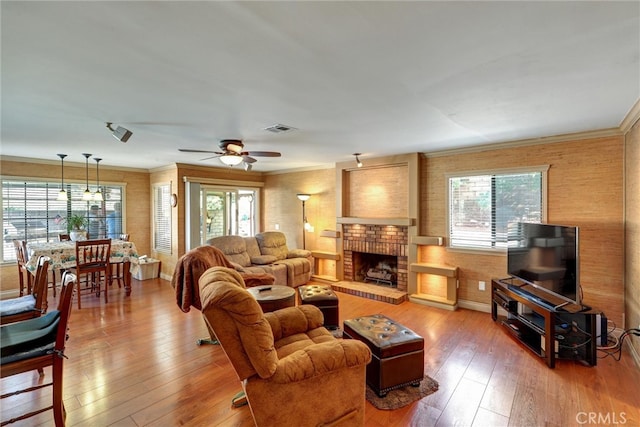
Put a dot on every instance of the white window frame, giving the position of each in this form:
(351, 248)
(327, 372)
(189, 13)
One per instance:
(491, 246)
(193, 207)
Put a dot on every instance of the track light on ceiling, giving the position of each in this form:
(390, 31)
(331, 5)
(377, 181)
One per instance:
(62, 195)
(358, 162)
(119, 133)
(87, 193)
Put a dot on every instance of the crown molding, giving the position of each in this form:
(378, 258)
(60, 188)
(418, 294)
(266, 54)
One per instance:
(68, 163)
(602, 133)
(631, 118)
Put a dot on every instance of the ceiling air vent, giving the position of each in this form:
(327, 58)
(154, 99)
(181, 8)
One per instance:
(279, 128)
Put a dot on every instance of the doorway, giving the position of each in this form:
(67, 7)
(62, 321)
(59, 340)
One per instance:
(227, 212)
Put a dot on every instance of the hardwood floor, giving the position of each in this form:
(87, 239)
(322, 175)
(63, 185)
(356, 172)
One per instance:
(135, 362)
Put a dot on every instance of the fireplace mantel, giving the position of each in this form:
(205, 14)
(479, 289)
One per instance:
(407, 222)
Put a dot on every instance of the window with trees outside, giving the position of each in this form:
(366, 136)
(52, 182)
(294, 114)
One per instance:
(32, 212)
(481, 205)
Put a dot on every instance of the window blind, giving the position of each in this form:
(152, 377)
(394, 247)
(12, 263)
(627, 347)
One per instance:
(481, 206)
(31, 211)
(162, 218)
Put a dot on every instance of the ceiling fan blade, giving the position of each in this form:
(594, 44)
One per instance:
(248, 159)
(188, 150)
(264, 153)
(211, 157)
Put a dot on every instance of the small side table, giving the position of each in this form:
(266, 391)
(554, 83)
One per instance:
(273, 297)
(323, 297)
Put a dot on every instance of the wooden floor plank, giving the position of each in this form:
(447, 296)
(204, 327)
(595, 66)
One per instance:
(135, 362)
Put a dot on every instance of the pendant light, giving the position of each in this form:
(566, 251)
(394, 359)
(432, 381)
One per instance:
(98, 195)
(87, 193)
(62, 195)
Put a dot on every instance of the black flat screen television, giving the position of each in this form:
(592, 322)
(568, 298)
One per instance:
(547, 257)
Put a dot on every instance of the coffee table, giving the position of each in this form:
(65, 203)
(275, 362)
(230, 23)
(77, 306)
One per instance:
(273, 297)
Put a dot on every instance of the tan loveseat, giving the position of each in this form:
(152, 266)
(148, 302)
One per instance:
(267, 253)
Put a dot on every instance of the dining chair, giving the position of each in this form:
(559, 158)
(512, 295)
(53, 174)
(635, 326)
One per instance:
(28, 306)
(35, 344)
(61, 238)
(117, 268)
(92, 260)
(22, 257)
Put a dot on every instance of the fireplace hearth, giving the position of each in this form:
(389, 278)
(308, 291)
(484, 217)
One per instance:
(376, 254)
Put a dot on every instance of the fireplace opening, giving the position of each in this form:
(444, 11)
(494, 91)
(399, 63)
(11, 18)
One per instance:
(375, 268)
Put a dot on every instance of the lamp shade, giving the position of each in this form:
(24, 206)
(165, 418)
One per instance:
(303, 197)
(231, 159)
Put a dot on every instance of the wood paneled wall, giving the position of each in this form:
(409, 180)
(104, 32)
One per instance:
(379, 192)
(283, 208)
(138, 214)
(585, 188)
(632, 231)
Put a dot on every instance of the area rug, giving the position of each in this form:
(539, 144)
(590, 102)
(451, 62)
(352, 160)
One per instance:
(402, 396)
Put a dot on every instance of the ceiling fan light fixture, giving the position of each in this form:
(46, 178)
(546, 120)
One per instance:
(231, 159)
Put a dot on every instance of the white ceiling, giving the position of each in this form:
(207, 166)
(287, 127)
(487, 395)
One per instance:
(373, 77)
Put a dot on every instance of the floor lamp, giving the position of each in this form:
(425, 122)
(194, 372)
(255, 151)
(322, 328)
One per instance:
(303, 198)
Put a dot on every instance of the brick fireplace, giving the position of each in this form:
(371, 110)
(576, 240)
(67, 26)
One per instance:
(387, 240)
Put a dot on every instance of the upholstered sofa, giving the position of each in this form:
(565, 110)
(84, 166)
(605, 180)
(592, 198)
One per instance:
(267, 253)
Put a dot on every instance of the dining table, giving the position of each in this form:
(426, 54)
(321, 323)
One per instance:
(62, 256)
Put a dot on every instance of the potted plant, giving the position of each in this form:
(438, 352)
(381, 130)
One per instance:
(75, 226)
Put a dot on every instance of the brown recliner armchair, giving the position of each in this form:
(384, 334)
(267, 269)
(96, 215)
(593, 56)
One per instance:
(292, 369)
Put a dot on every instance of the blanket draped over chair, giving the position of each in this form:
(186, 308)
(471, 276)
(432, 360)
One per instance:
(193, 264)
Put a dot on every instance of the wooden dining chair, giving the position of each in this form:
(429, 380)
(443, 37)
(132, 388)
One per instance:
(117, 268)
(22, 258)
(36, 344)
(64, 238)
(28, 306)
(92, 261)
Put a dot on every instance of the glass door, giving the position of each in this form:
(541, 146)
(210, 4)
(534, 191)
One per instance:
(226, 211)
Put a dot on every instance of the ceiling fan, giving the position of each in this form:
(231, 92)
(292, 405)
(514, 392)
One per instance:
(232, 153)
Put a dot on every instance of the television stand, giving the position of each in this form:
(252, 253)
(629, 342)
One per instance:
(551, 329)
